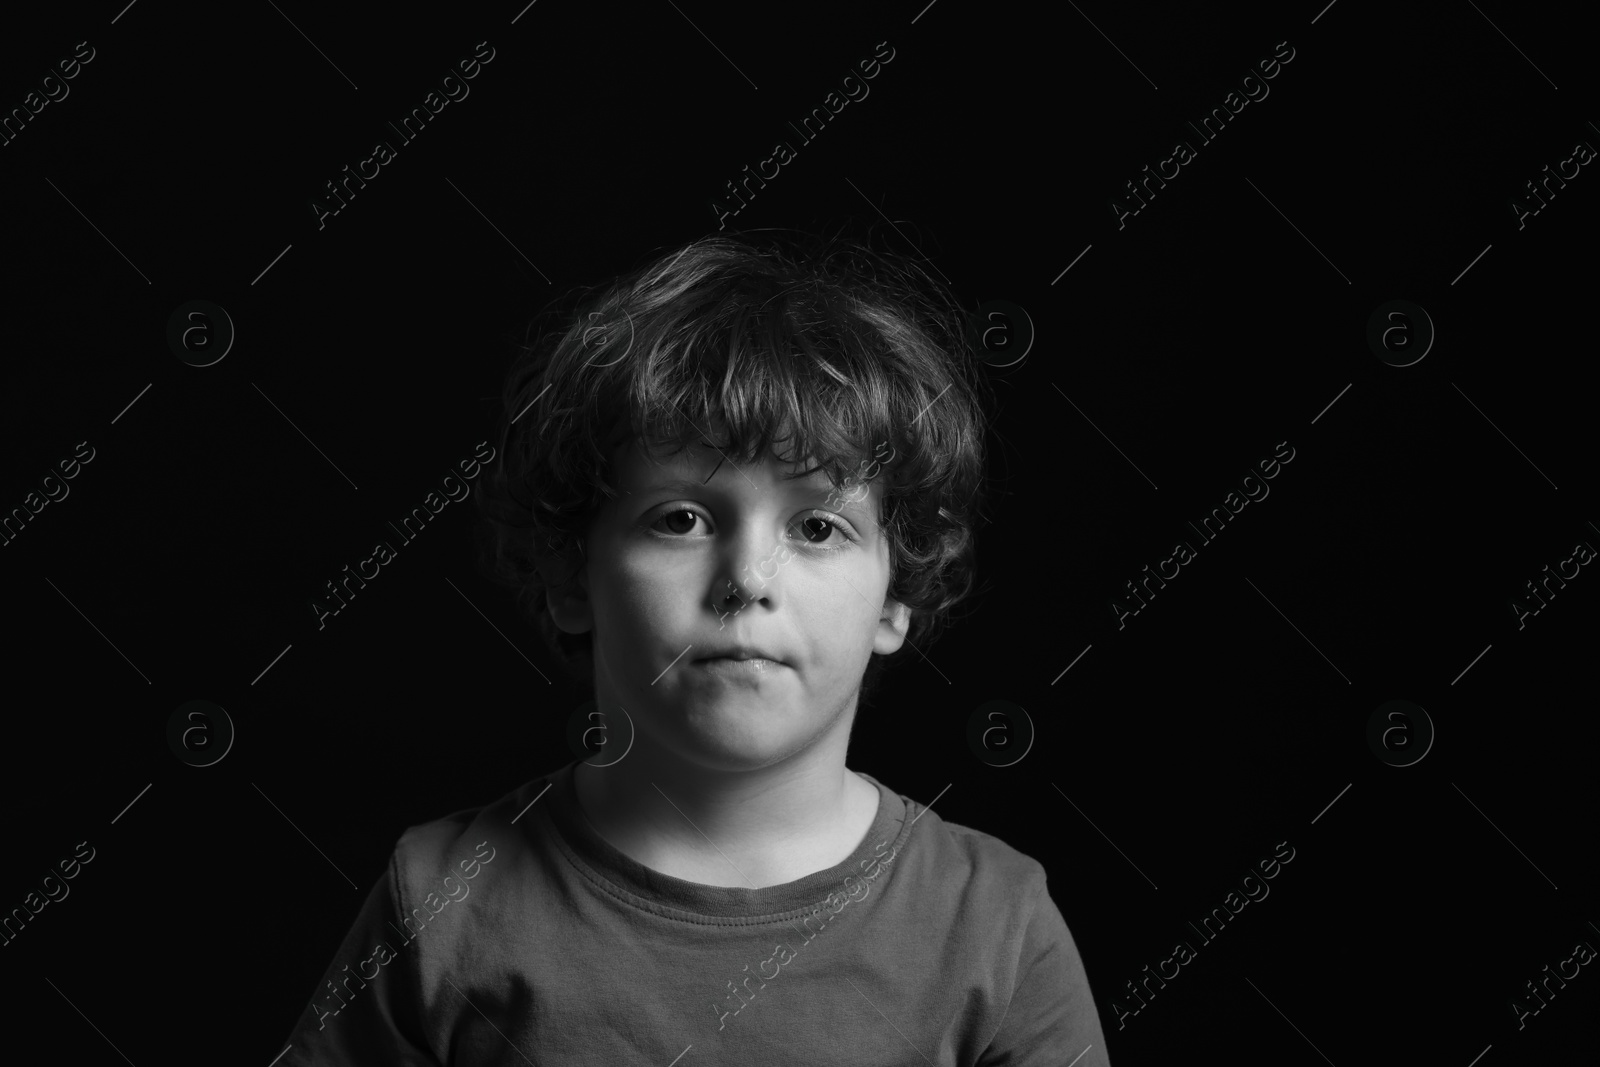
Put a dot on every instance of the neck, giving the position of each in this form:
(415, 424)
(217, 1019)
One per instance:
(747, 827)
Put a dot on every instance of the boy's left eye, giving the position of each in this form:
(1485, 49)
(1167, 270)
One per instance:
(814, 526)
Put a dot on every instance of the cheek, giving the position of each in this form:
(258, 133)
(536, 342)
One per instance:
(644, 599)
(628, 592)
(842, 608)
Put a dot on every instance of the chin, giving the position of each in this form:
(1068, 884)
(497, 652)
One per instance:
(742, 750)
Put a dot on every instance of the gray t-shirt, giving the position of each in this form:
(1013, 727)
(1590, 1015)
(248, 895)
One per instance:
(488, 941)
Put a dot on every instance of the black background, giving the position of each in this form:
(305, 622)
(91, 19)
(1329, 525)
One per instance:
(1224, 318)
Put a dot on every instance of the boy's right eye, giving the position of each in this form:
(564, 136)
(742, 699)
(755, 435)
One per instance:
(678, 511)
(846, 538)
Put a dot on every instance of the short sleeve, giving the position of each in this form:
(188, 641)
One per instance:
(1052, 1020)
(371, 1012)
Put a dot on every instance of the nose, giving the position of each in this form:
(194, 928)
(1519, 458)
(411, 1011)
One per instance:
(748, 570)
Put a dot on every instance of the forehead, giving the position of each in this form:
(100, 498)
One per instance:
(701, 469)
(700, 464)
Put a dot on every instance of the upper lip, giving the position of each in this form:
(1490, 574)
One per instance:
(740, 652)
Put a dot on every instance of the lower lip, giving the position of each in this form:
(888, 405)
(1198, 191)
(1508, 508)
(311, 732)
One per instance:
(738, 667)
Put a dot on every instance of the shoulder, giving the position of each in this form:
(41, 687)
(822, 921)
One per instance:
(987, 864)
(442, 855)
(971, 869)
(978, 890)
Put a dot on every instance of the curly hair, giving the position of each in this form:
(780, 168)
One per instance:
(826, 342)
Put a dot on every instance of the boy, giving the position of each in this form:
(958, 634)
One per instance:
(733, 485)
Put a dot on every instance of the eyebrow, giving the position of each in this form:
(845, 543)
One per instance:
(794, 485)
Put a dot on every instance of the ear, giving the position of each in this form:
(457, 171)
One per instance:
(891, 632)
(566, 595)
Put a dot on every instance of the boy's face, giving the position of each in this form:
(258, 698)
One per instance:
(653, 589)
